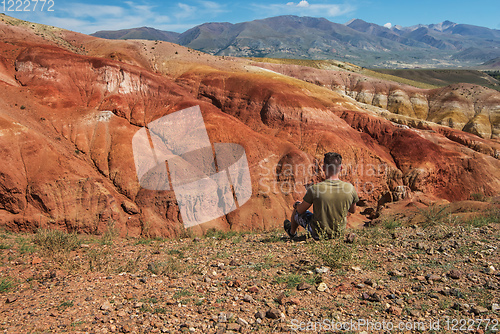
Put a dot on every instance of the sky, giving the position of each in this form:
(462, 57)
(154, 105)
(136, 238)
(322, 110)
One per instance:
(91, 16)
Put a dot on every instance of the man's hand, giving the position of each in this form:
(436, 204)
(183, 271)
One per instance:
(352, 209)
(301, 207)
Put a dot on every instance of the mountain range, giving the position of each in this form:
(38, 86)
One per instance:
(446, 44)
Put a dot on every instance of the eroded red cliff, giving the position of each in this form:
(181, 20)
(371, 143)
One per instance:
(70, 107)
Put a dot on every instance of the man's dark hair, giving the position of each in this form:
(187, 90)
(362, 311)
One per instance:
(332, 163)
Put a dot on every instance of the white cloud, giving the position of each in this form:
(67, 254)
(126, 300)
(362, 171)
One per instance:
(173, 16)
(213, 7)
(207, 9)
(88, 18)
(303, 3)
(88, 10)
(388, 25)
(186, 11)
(305, 8)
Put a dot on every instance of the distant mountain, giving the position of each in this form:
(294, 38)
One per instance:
(446, 35)
(366, 44)
(282, 36)
(477, 54)
(380, 31)
(452, 28)
(493, 63)
(146, 33)
(441, 26)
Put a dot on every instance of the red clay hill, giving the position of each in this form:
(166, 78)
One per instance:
(70, 105)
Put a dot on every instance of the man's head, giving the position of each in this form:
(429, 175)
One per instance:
(332, 163)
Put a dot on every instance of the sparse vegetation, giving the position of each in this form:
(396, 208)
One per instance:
(478, 197)
(339, 65)
(220, 235)
(6, 284)
(99, 260)
(484, 219)
(292, 280)
(182, 293)
(273, 237)
(171, 267)
(441, 77)
(260, 271)
(176, 252)
(318, 64)
(434, 214)
(55, 241)
(494, 74)
(25, 246)
(392, 224)
(77, 323)
(131, 266)
(64, 305)
(334, 253)
(143, 241)
(110, 234)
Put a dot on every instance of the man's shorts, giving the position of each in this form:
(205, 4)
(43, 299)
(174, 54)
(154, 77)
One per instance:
(304, 220)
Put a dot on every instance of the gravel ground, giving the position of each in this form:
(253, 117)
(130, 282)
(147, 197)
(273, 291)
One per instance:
(388, 278)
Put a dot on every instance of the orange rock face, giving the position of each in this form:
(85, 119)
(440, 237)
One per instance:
(70, 109)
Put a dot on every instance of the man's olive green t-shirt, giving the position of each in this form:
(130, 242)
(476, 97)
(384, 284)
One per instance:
(331, 200)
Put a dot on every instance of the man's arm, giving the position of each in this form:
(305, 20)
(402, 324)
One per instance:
(301, 207)
(352, 209)
(355, 200)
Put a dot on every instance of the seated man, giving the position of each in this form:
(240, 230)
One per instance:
(331, 200)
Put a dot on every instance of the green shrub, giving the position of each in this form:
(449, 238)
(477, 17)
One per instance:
(333, 252)
(99, 260)
(478, 197)
(292, 280)
(143, 241)
(131, 266)
(434, 214)
(220, 235)
(65, 305)
(109, 236)
(392, 224)
(485, 219)
(6, 284)
(171, 267)
(55, 241)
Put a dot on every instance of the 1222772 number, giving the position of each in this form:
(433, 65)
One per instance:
(27, 5)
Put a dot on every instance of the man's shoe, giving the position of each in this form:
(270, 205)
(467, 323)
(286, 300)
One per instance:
(287, 225)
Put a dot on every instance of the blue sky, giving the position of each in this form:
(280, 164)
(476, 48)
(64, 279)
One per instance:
(90, 16)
